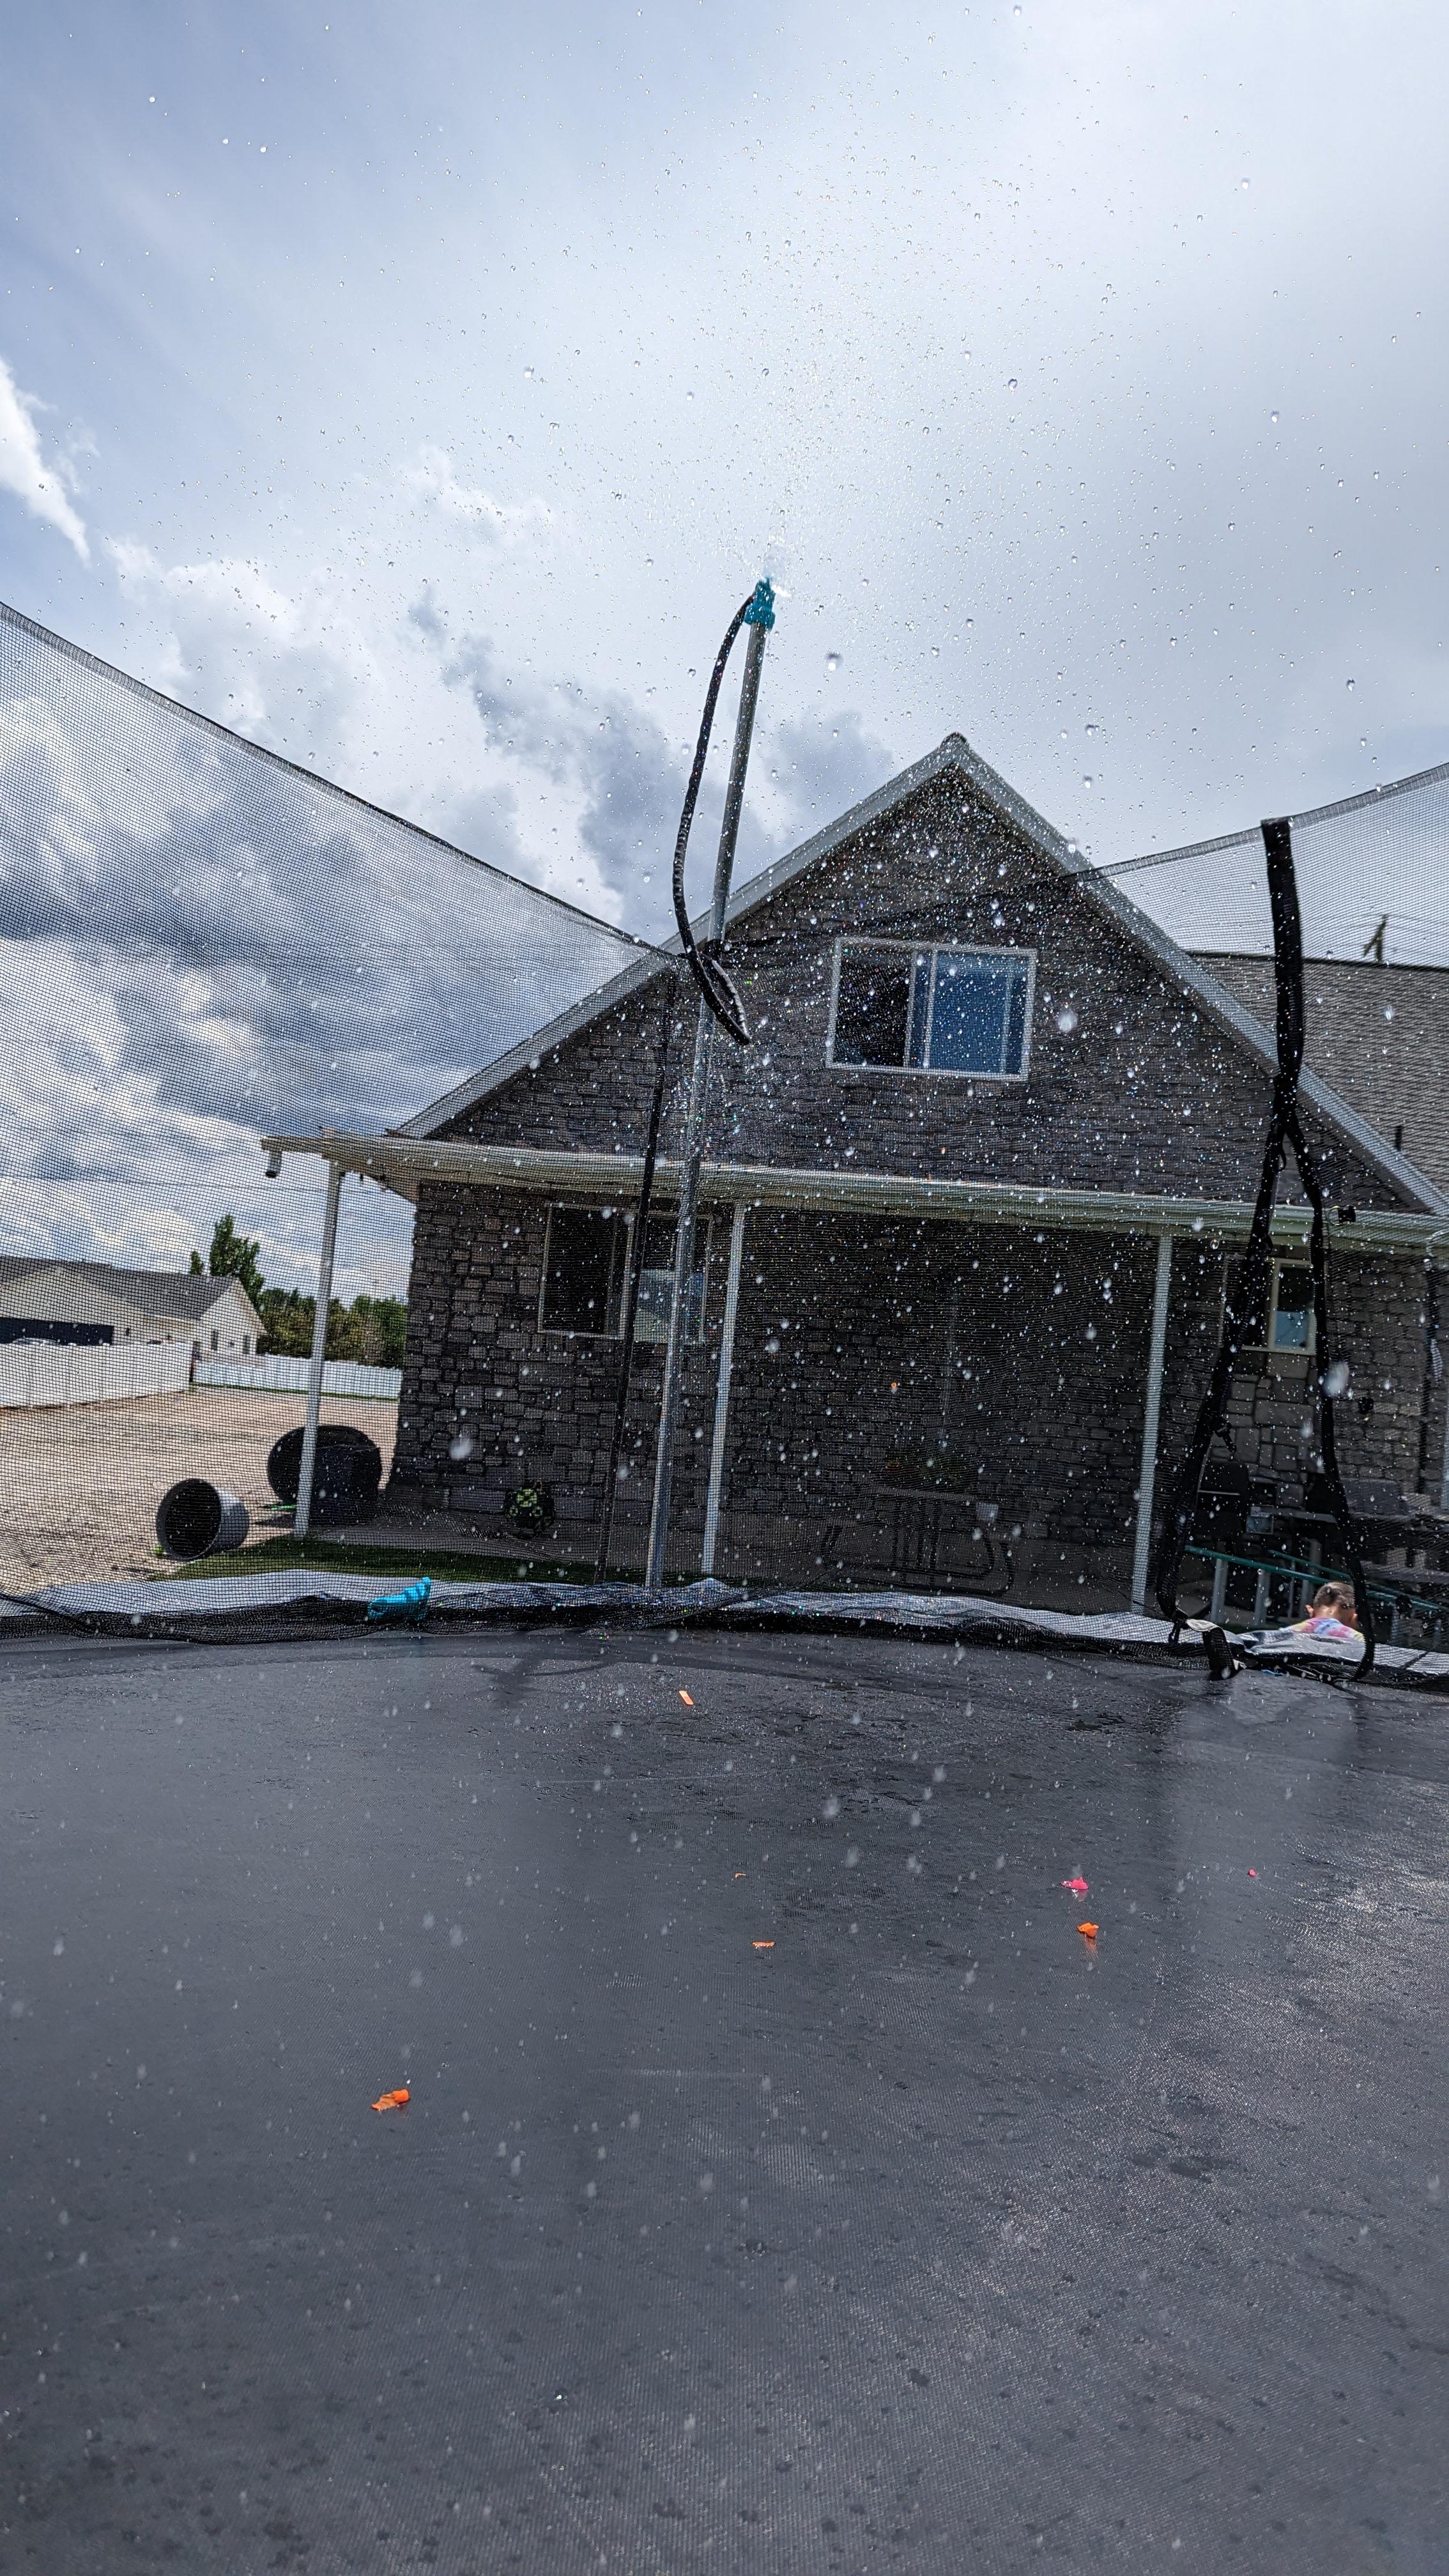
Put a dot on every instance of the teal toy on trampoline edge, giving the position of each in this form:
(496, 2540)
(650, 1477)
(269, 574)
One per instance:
(405, 1609)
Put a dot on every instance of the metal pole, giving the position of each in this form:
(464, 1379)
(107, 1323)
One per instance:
(722, 1392)
(693, 1157)
(319, 1353)
(948, 1362)
(1147, 1473)
(631, 1293)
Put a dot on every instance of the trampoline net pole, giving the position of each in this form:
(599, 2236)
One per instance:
(319, 1353)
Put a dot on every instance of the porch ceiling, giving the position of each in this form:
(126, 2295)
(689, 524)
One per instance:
(402, 1163)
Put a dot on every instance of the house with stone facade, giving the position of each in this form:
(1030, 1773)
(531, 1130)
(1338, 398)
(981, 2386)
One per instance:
(967, 1206)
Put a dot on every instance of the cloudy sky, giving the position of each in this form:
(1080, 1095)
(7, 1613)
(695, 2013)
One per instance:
(418, 391)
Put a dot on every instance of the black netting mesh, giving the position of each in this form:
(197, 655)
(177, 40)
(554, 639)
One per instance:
(199, 944)
(1370, 873)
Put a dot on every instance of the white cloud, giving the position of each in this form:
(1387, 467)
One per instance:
(23, 469)
(433, 480)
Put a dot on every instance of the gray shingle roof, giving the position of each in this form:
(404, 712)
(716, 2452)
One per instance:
(1378, 1034)
(179, 1293)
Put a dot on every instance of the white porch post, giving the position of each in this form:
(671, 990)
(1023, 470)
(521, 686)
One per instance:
(722, 1390)
(1147, 1474)
(319, 1353)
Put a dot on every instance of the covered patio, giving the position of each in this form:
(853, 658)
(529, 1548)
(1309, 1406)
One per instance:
(893, 1375)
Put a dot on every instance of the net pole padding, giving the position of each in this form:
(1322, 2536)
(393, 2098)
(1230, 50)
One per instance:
(1346, 1522)
(1147, 1473)
(1247, 1294)
(710, 1009)
(715, 1496)
(631, 1295)
(306, 1469)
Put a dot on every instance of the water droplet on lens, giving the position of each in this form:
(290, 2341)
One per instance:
(1272, 415)
(832, 661)
(1011, 384)
(1348, 684)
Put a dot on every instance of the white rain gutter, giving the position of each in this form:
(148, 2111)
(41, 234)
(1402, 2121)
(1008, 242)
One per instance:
(404, 1163)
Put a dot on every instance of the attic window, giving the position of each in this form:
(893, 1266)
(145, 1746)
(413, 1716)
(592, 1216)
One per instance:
(932, 1010)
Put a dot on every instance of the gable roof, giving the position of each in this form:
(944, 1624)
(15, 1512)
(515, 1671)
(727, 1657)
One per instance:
(189, 1296)
(955, 755)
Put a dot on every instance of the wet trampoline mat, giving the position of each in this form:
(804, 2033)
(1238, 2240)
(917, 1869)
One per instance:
(934, 2233)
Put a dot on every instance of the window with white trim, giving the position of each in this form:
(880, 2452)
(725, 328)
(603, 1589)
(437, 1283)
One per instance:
(932, 1010)
(586, 1275)
(1285, 1322)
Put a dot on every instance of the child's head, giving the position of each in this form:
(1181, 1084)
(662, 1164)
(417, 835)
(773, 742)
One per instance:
(1335, 1601)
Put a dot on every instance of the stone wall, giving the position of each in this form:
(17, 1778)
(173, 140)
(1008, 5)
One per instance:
(1023, 1354)
(489, 1401)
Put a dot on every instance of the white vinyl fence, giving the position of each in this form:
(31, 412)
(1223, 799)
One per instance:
(275, 1373)
(91, 1373)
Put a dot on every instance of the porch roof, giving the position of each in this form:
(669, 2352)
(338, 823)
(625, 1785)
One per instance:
(403, 1163)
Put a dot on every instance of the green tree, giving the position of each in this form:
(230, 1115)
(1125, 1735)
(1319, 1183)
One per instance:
(377, 1331)
(286, 1322)
(234, 1257)
(371, 1329)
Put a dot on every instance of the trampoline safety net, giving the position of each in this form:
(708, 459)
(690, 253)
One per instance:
(202, 943)
(973, 1223)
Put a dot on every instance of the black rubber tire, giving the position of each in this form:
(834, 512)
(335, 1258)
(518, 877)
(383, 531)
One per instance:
(346, 1478)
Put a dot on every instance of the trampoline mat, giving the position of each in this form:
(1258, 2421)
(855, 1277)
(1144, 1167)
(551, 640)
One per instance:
(932, 2234)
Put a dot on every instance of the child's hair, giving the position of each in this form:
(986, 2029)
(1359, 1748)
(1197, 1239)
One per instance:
(1335, 1601)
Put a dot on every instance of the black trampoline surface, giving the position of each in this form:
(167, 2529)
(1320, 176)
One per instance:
(933, 2237)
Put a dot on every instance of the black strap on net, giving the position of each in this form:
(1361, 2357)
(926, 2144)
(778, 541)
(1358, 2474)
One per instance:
(1247, 1288)
(703, 956)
